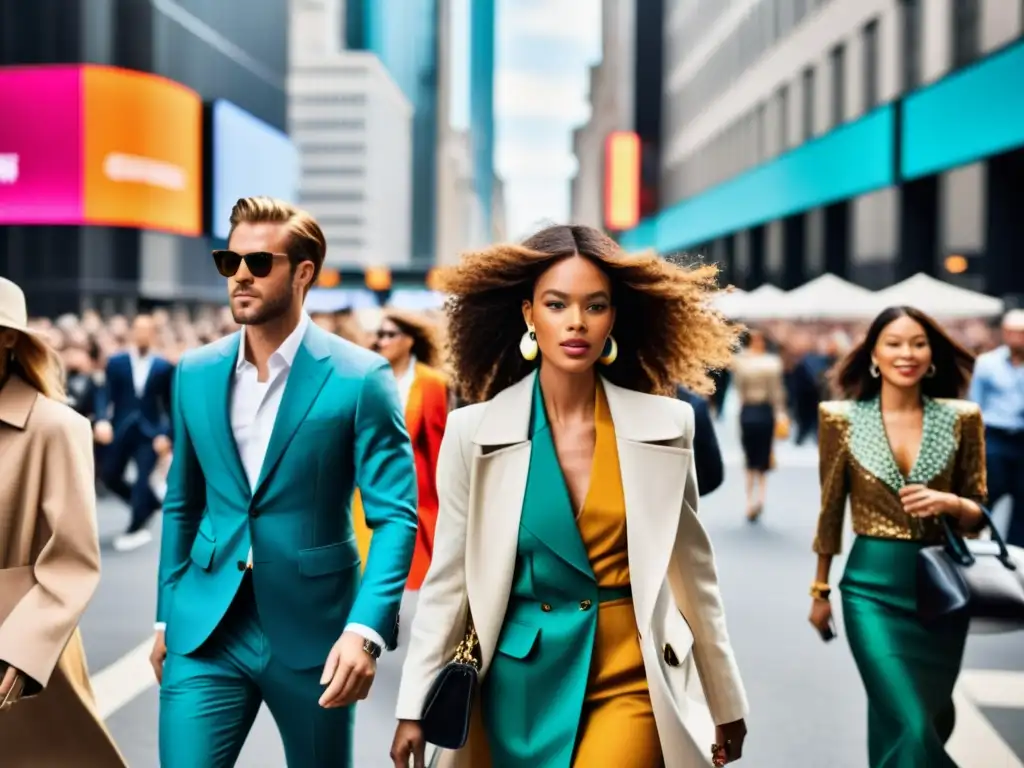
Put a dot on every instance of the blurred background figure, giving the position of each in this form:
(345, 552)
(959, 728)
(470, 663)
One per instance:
(757, 378)
(998, 387)
(134, 407)
(410, 342)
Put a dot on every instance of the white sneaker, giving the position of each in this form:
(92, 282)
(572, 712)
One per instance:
(126, 542)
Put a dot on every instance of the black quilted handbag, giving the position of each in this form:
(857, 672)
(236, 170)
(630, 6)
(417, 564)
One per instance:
(980, 579)
(445, 719)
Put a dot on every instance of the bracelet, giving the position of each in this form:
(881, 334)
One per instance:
(820, 590)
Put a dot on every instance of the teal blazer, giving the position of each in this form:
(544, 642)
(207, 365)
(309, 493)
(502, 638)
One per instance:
(533, 693)
(340, 425)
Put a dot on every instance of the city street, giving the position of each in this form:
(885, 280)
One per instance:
(807, 705)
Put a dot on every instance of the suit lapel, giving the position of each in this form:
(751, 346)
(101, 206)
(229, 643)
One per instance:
(547, 509)
(653, 484)
(218, 415)
(305, 380)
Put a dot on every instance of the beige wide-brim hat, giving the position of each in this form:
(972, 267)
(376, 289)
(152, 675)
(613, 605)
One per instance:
(13, 311)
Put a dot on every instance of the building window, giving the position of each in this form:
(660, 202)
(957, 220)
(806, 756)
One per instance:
(966, 32)
(783, 118)
(871, 65)
(838, 66)
(911, 44)
(808, 94)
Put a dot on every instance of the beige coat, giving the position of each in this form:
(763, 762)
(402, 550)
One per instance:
(49, 569)
(481, 478)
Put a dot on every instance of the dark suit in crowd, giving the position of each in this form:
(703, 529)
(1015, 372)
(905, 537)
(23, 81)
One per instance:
(707, 456)
(138, 407)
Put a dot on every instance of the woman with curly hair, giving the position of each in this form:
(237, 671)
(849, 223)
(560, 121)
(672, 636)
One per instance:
(568, 542)
(410, 342)
(910, 458)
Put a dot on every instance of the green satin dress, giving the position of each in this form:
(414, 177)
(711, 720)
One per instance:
(908, 669)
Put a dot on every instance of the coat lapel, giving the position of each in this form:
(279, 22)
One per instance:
(17, 398)
(305, 380)
(218, 415)
(547, 509)
(653, 484)
(498, 488)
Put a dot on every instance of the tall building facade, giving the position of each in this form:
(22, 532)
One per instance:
(868, 138)
(404, 36)
(231, 49)
(469, 197)
(352, 125)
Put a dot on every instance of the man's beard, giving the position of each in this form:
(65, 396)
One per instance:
(271, 309)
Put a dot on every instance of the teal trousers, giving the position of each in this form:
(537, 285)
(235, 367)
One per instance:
(209, 699)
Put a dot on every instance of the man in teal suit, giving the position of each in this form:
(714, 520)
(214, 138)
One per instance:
(260, 595)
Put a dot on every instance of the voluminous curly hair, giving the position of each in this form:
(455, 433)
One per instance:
(667, 331)
(425, 335)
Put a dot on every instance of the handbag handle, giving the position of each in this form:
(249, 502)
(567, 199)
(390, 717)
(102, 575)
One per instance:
(959, 550)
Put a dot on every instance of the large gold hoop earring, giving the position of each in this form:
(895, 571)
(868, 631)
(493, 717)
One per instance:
(610, 351)
(528, 345)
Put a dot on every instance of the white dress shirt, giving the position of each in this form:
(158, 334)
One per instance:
(405, 382)
(141, 366)
(254, 408)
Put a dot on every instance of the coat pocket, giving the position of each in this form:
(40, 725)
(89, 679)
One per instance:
(203, 549)
(333, 558)
(517, 641)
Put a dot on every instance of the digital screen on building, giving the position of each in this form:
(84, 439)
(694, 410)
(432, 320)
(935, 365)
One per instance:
(249, 157)
(86, 144)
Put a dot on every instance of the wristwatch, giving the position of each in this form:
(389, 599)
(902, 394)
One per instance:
(372, 648)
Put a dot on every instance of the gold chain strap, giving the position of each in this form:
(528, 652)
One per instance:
(465, 653)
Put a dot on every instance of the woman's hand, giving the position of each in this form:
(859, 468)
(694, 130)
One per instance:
(11, 686)
(728, 746)
(821, 615)
(408, 743)
(921, 501)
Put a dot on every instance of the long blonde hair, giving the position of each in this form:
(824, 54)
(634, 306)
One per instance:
(38, 364)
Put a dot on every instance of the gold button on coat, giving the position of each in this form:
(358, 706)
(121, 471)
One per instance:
(545, 607)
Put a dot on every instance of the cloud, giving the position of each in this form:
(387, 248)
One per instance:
(577, 21)
(532, 205)
(534, 161)
(522, 94)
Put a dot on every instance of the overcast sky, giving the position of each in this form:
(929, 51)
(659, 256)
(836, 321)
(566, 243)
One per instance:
(545, 48)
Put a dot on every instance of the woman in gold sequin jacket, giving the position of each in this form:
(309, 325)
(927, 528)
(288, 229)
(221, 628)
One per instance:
(904, 452)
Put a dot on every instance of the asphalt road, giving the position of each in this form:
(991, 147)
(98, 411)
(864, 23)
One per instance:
(807, 704)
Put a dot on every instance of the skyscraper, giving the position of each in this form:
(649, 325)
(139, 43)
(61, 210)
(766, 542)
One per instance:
(404, 36)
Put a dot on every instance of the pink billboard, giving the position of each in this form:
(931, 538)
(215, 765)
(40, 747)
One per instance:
(89, 144)
(41, 145)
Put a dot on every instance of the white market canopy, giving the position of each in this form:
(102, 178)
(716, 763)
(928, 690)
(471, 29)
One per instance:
(738, 304)
(827, 297)
(940, 299)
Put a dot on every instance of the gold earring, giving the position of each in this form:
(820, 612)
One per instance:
(610, 351)
(528, 345)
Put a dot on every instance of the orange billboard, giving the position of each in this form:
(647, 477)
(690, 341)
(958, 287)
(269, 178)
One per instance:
(142, 151)
(622, 181)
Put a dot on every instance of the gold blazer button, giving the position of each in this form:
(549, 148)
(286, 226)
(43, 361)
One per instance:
(585, 605)
(670, 656)
(546, 607)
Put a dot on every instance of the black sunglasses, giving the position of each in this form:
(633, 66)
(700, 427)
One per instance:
(259, 263)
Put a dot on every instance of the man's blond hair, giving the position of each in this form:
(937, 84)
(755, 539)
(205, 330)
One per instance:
(306, 240)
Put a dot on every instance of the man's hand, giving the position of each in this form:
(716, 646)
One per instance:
(162, 445)
(11, 686)
(103, 433)
(348, 673)
(157, 656)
